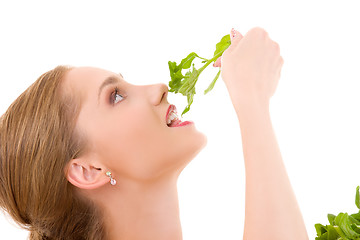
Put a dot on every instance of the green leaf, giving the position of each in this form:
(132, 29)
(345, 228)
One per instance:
(189, 82)
(342, 227)
(176, 84)
(355, 227)
(212, 84)
(224, 43)
(322, 237)
(188, 89)
(343, 221)
(357, 198)
(186, 62)
(332, 233)
(331, 218)
(340, 232)
(320, 229)
(354, 220)
(356, 216)
(185, 84)
(176, 77)
(190, 98)
(172, 67)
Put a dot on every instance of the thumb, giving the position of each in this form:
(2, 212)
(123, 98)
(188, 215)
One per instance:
(217, 63)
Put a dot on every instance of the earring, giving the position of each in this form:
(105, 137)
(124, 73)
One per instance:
(112, 180)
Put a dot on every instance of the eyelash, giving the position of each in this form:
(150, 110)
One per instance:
(114, 94)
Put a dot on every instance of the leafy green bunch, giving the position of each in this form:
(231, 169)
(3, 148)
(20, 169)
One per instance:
(342, 227)
(185, 83)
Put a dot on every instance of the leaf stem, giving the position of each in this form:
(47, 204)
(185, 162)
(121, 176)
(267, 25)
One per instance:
(210, 61)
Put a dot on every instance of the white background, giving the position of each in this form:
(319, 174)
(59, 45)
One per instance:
(315, 110)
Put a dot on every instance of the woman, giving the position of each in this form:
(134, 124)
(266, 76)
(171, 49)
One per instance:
(86, 155)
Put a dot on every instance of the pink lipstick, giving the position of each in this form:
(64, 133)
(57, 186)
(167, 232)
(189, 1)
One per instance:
(172, 119)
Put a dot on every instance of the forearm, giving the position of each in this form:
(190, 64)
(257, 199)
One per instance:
(271, 209)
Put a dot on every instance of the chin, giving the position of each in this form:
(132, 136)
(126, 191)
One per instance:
(187, 150)
(199, 142)
(204, 141)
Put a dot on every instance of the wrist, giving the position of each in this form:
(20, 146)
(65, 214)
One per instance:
(244, 102)
(252, 108)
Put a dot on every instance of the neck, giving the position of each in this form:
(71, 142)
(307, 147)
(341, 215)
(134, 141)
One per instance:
(143, 211)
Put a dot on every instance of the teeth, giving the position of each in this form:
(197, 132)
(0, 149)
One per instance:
(171, 117)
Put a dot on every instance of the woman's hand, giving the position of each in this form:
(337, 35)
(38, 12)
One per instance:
(251, 67)
(251, 70)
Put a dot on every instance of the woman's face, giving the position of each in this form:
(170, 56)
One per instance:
(125, 125)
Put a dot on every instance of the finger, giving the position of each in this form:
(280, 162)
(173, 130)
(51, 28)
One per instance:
(281, 62)
(217, 63)
(235, 36)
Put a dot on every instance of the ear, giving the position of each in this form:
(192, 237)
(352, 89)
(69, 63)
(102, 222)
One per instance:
(85, 175)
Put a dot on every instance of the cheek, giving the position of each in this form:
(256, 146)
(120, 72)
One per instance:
(140, 146)
(133, 145)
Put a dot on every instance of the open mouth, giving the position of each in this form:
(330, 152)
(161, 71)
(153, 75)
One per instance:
(172, 119)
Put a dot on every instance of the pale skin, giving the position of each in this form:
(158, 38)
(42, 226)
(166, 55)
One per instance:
(127, 135)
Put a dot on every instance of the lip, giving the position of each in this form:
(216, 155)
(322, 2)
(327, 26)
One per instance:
(180, 123)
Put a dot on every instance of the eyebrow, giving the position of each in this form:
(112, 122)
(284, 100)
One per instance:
(109, 81)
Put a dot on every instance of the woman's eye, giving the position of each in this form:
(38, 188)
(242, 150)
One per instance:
(116, 96)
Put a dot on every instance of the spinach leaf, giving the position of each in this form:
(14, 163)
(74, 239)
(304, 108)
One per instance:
(185, 83)
(342, 227)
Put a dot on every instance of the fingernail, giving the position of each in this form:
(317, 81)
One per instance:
(233, 33)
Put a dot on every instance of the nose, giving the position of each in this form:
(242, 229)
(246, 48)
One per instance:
(158, 93)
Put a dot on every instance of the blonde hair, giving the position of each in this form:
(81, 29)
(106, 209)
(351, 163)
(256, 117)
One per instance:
(37, 139)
